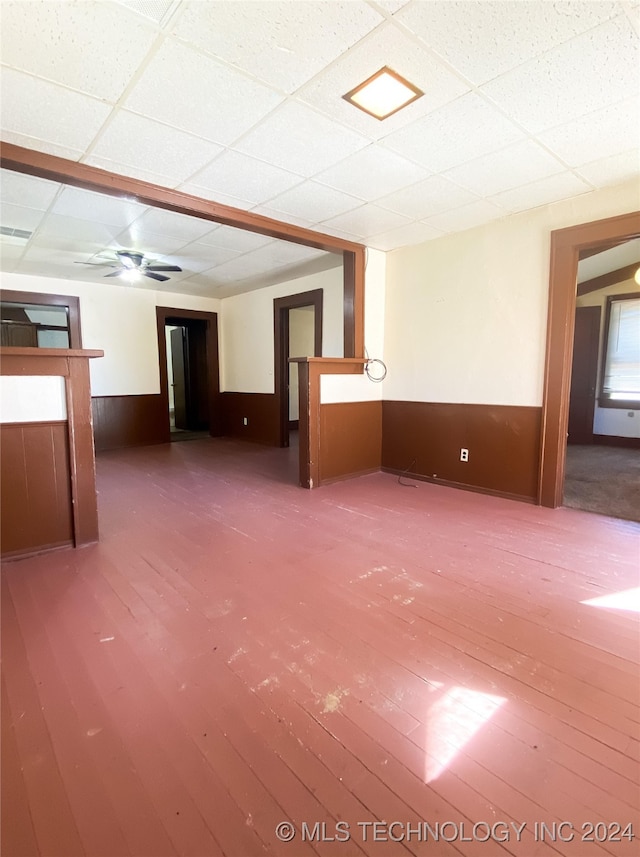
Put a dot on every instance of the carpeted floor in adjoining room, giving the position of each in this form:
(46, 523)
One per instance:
(603, 479)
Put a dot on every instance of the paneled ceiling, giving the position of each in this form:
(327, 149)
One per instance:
(525, 103)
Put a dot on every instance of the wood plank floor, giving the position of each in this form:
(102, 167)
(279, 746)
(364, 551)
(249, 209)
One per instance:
(396, 664)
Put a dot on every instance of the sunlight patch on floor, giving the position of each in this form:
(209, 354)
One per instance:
(452, 722)
(628, 599)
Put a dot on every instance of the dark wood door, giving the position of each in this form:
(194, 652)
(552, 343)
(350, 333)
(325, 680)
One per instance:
(584, 374)
(179, 366)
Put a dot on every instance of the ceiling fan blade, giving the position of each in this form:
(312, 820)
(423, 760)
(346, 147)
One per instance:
(98, 264)
(118, 273)
(162, 268)
(153, 276)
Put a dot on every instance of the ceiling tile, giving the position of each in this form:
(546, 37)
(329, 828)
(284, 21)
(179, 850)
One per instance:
(234, 239)
(301, 140)
(223, 105)
(612, 170)
(29, 191)
(387, 46)
(518, 164)
(245, 178)
(20, 217)
(130, 171)
(542, 192)
(40, 145)
(98, 207)
(467, 217)
(591, 71)
(56, 38)
(431, 196)
(281, 43)
(597, 135)
(41, 110)
(367, 220)
(391, 6)
(485, 39)
(74, 235)
(267, 211)
(170, 223)
(313, 202)
(171, 153)
(145, 241)
(413, 233)
(371, 173)
(197, 257)
(464, 129)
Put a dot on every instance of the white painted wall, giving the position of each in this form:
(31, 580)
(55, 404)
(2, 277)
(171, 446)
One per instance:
(120, 320)
(358, 388)
(611, 421)
(32, 399)
(465, 316)
(301, 344)
(247, 357)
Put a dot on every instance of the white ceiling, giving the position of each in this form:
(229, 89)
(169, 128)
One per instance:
(525, 103)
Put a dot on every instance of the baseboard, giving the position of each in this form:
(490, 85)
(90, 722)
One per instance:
(12, 556)
(446, 483)
(347, 476)
(615, 440)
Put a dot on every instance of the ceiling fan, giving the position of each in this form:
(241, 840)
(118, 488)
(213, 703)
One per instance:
(131, 263)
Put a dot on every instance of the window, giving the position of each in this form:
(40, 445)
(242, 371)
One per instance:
(620, 386)
(35, 320)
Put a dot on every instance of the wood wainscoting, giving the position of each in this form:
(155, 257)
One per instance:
(121, 421)
(424, 440)
(350, 439)
(261, 412)
(35, 487)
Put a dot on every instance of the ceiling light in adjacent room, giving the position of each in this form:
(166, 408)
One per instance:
(637, 276)
(383, 94)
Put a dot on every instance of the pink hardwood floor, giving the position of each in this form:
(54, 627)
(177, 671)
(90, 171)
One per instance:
(237, 652)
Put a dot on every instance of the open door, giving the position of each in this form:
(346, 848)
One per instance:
(584, 373)
(178, 381)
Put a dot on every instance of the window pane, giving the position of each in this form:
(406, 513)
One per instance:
(622, 364)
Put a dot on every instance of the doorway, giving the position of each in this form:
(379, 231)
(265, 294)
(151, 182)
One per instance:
(297, 333)
(189, 373)
(188, 380)
(567, 246)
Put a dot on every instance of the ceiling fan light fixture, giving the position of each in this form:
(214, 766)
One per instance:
(636, 276)
(383, 94)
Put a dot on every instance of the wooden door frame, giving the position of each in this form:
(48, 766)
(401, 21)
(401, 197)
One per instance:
(594, 313)
(164, 316)
(566, 247)
(281, 307)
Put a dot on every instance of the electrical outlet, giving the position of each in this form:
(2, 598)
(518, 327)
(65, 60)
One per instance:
(245, 421)
(464, 454)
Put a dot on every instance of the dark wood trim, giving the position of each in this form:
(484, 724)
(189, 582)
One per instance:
(164, 316)
(616, 440)
(309, 371)
(125, 421)
(294, 425)
(603, 400)
(353, 267)
(606, 280)
(69, 301)
(53, 168)
(73, 365)
(11, 556)
(425, 438)
(350, 439)
(281, 307)
(566, 244)
(261, 412)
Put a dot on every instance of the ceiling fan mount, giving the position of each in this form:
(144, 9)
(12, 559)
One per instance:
(133, 262)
